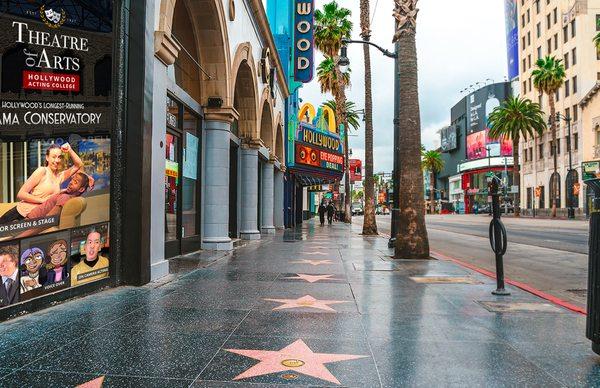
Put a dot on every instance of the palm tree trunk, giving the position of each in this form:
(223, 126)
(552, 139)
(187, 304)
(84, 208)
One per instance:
(432, 192)
(411, 239)
(370, 222)
(553, 188)
(516, 177)
(340, 102)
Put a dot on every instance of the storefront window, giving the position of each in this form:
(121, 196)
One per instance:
(54, 146)
(190, 204)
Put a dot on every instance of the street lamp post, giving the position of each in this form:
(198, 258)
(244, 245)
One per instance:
(344, 61)
(570, 209)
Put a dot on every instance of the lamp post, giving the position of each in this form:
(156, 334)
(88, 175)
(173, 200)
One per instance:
(345, 61)
(570, 210)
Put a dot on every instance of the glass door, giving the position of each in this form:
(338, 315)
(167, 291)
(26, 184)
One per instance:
(172, 194)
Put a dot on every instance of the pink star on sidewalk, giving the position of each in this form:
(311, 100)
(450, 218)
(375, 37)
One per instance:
(312, 278)
(95, 383)
(316, 253)
(297, 357)
(313, 262)
(306, 301)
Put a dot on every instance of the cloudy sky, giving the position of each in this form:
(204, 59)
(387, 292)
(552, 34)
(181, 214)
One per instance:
(459, 43)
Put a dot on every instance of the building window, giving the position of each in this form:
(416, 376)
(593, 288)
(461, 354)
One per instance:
(555, 41)
(568, 112)
(528, 16)
(573, 29)
(538, 30)
(567, 88)
(566, 61)
(539, 52)
(547, 22)
(529, 61)
(565, 34)
(537, 6)
(574, 56)
(540, 99)
(522, 20)
(524, 87)
(557, 95)
(523, 43)
(598, 76)
(529, 39)
(555, 14)
(530, 88)
(540, 151)
(574, 84)
(597, 136)
(524, 65)
(549, 46)
(575, 113)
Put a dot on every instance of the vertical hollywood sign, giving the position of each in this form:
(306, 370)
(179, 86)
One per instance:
(304, 41)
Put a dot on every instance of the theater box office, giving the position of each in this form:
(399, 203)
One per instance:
(56, 122)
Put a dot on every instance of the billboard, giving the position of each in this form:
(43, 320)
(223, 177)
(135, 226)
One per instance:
(355, 170)
(55, 122)
(304, 40)
(479, 143)
(512, 37)
(312, 156)
(482, 102)
(448, 137)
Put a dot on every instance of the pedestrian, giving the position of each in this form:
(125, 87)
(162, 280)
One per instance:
(330, 212)
(322, 210)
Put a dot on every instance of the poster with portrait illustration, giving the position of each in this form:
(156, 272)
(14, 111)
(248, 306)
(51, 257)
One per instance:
(56, 104)
(44, 264)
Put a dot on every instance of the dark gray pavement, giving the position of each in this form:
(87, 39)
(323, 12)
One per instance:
(318, 306)
(549, 255)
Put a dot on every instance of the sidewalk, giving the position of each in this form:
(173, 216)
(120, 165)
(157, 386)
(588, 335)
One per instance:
(319, 306)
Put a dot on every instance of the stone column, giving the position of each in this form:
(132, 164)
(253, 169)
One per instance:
(216, 179)
(278, 201)
(249, 193)
(268, 225)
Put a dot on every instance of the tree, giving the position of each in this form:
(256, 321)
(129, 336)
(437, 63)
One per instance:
(548, 78)
(514, 119)
(333, 24)
(432, 162)
(411, 239)
(597, 41)
(351, 113)
(370, 222)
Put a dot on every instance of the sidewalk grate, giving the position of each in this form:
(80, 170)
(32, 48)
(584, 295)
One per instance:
(519, 307)
(445, 280)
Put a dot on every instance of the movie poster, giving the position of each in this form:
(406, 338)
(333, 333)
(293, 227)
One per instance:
(55, 122)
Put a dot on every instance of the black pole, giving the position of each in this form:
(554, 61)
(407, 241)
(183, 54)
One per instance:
(497, 234)
(571, 210)
(396, 172)
(593, 300)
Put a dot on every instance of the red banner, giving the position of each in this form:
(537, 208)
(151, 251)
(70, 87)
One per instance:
(50, 81)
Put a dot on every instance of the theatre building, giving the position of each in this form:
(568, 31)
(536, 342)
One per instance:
(132, 133)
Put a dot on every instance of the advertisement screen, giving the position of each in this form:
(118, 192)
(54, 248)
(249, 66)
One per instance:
(479, 143)
(512, 38)
(55, 122)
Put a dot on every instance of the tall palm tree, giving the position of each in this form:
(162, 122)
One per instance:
(514, 119)
(370, 222)
(432, 162)
(333, 24)
(548, 78)
(411, 238)
(351, 113)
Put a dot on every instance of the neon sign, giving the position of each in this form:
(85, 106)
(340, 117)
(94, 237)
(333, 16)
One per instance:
(304, 41)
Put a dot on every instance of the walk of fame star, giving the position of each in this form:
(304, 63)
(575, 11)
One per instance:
(306, 301)
(296, 357)
(313, 262)
(316, 253)
(312, 278)
(95, 383)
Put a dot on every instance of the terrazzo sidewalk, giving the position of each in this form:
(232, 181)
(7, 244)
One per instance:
(318, 306)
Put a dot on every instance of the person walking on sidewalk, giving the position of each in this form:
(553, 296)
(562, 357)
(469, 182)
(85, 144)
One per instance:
(330, 212)
(322, 210)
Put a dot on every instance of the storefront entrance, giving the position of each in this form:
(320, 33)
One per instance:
(182, 180)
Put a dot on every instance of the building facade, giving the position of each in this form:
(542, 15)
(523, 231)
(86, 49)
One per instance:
(563, 29)
(145, 130)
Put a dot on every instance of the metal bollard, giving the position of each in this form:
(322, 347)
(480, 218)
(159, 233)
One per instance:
(593, 302)
(498, 237)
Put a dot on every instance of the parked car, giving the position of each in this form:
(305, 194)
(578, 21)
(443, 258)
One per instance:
(357, 209)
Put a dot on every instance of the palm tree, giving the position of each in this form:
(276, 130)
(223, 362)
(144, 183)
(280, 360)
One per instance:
(514, 119)
(548, 78)
(351, 113)
(432, 162)
(370, 222)
(597, 41)
(411, 237)
(331, 26)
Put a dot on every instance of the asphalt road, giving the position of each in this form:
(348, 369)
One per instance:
(550, 255)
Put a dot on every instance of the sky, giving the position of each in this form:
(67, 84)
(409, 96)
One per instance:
(459, 43)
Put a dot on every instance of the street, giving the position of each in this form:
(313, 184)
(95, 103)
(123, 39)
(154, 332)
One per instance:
(550, 255)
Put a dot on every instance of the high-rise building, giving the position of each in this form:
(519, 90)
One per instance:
(563, 29)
